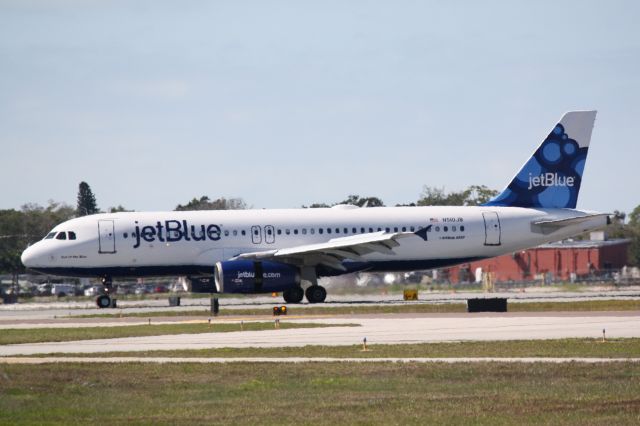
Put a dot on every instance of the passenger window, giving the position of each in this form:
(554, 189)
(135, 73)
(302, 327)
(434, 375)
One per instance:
(387, 229)
(328, 230)
(244, 232)
(379, 229)
(362, 230)
(72, 235)
(346, 231)
(235, 233)
(354, 230)
(226, 233)
(304, 231)
(320, 230)
(445, 229)
(279, 231)
(462, 228)
(255, 232)
(453, 228)
(437, 229)
(370, 229)
(412, 229)
(404, 229)
(125, 235)
(312, 231)
(295, 232)
(61, 236)
(287, 231)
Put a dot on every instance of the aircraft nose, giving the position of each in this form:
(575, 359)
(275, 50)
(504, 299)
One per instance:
(31, 257)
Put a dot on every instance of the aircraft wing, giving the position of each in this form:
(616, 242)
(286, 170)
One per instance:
(548, 226)
(334, 251)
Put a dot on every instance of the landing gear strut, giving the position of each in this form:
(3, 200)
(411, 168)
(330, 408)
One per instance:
(104, 300)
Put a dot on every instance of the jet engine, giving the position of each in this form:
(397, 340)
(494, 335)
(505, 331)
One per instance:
(247, 276)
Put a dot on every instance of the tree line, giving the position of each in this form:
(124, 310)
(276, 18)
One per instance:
(30, 223)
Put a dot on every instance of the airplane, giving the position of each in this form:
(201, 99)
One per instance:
(287, 250)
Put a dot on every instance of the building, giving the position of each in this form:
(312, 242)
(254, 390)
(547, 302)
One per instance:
(560, 261)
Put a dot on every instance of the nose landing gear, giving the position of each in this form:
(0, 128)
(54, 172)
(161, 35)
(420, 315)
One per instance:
(104, 300)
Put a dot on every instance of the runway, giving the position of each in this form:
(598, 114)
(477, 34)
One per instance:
(378, 329)
(58, 309)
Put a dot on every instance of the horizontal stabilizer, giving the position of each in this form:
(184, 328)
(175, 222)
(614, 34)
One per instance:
(548, 226)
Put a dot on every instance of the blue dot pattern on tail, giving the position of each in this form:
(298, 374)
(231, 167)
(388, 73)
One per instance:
(552, 176)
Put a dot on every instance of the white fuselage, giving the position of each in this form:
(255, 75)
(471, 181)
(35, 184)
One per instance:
(190, 243)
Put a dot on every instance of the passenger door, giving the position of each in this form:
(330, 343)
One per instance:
(492, 231)
(107, 237)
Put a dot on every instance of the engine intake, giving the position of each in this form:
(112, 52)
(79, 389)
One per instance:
(246, 276)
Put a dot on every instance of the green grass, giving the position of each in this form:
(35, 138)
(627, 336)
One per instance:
(324, 394)
(587, 306)
(561, 348)
(34, 335)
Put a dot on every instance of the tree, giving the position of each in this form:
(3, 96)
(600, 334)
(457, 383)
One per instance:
(20, 228)
(634, 234)
(205, 203)
(86, 200)
(472, 196)
(118, 209)
(354, 200)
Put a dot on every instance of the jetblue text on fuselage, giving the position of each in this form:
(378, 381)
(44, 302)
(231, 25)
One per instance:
(176, 230)
(550, 179)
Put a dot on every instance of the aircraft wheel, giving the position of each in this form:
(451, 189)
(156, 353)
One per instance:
(103, 301)
(293, 295)
(316, 294)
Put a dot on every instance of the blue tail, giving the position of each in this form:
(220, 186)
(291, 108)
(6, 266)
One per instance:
(552, 176)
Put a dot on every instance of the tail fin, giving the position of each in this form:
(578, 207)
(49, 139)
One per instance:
(552, 176)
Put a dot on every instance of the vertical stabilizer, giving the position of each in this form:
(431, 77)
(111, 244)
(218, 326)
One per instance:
(552, 176)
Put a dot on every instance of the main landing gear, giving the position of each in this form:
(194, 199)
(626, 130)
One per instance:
(314, 293)
(104, 300)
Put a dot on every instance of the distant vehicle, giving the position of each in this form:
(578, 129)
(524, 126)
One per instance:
(265, 251)
(43, 289)
(93, 290)
(62, 290)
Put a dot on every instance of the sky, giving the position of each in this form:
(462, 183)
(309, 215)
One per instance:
(287, 103)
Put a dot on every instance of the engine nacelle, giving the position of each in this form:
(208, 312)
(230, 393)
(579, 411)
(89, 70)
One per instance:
(247, 276)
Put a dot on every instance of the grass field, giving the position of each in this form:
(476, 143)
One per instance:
(34, 335)
(585, 306)
(335, 393)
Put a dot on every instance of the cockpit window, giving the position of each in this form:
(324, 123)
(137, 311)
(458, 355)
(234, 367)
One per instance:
(50, 235)
(61, 236)
(72, 235)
